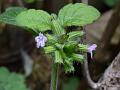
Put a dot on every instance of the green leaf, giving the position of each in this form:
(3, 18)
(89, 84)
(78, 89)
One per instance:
(75, 34)
(72, 83)
(70, 47)
(111, 3)
(11, 80)
(58, 57)
(51, 39)
(4, 73)
(56, 27)
(59, 46)
(49, 49)
(9, 15)
(82, 47)
(78, 57)
(78, 14)
(38, 20)
(62, 38)
(68, 66)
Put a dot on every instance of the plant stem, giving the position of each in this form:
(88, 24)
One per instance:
(54, 76)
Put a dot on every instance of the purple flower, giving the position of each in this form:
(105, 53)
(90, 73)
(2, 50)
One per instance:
(91, 49)
(40, 40)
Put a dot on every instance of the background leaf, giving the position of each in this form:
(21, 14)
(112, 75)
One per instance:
(68, 65)
(72, 84)
(78, 14)
(9, 15)
(111, 3)
(74, 35)
(34, 19)
(29, 1)
(11, 80)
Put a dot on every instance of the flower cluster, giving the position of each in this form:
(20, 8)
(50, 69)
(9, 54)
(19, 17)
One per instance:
(67, 51)
(41, 39)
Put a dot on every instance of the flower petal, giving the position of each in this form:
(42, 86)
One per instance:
(40, 40)
(91, 49)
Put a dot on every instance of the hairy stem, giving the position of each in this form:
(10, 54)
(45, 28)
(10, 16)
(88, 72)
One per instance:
(54, 76)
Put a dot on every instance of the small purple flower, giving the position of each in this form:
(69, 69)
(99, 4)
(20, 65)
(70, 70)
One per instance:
(91, 49)
(40, 40)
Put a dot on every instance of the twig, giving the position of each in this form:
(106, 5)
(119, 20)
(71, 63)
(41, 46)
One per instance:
(111, 76)
(91, 83)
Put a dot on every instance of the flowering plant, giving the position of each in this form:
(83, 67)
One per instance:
(65, 47)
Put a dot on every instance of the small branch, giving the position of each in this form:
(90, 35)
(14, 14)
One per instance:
(111, 69)
(111, 76)
(90, 82)
(114, 66)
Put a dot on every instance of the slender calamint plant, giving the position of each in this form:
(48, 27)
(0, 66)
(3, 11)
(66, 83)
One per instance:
(64, 47)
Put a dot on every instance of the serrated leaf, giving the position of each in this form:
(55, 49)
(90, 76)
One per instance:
(57, 28)
(59, 46)
(78, 57)
(68, 66)
(51, 39)
(78, 14)
(75, 34)
(70, 47)
(9, 15)
(37, 20)
(82, 47)
(49, 49)
(62, 38)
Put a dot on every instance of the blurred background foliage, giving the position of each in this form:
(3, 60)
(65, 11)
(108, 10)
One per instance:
(111, 3)
(11, 80)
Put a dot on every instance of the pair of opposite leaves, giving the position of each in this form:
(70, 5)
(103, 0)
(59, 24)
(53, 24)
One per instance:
(77, 14)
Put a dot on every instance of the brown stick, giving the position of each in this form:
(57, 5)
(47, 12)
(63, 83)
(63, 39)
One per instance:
(111, 78)
(90, 82)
